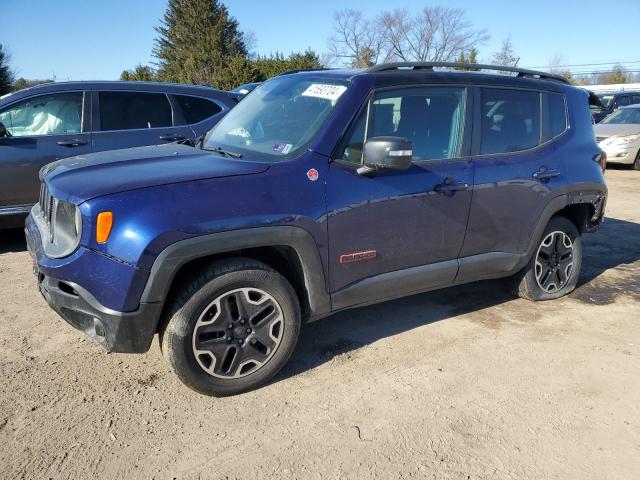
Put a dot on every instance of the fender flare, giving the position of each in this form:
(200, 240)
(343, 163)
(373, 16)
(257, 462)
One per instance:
(173, 257)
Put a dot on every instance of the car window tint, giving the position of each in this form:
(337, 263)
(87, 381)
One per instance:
(555, 122)
(635, 99)
(510, 120)
(56, 114)
(128, 110)
(351, 147)
(623, 101)
(196, 109)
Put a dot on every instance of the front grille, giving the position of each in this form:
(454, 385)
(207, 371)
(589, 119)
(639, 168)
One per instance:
(46, 203)
(600, 139)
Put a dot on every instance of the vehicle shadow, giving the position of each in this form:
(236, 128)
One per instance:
(344, 332)
(12, 241)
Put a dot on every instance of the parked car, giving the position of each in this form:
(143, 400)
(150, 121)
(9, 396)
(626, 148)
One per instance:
(321, 191)
(246, 88)
(48, 122)
(619, 136)
(611, 102)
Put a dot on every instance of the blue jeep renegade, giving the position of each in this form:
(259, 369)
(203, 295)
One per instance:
(321, 191)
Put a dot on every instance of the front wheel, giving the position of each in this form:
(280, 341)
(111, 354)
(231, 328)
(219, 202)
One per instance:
(233, 327)
(554, 269)
(636, 164)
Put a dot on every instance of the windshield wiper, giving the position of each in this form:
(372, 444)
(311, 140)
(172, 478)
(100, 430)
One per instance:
(221, 151)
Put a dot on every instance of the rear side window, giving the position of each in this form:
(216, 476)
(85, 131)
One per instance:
(510, 120)
(128, 110)
(555, 115)
(197, 109)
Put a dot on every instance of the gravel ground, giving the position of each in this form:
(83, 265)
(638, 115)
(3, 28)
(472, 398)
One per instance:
(464, 383)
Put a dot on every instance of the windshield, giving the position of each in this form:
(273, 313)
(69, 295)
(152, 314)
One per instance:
(624, 115)
(606, 100)
(278, 119)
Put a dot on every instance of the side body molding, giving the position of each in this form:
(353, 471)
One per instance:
(175, 256)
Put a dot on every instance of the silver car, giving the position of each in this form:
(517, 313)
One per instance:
(619, 136)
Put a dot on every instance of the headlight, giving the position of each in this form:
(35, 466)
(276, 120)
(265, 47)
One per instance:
(64, 229)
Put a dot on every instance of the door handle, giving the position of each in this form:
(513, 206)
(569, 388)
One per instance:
(72, 143)
(449, 185)
(170, 137)
(545, 174)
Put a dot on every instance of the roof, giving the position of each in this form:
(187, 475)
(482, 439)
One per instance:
(407, 76)
(55, 87)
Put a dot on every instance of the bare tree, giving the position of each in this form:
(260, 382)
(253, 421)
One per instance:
(356, 41)
(432, 34)
(506, 57)
(438, 34)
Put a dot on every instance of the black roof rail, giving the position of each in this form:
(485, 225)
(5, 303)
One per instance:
(289, 72)
(522, 72)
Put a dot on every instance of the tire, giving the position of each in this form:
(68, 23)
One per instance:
(538, 280)
(636, 164)
(231, 328)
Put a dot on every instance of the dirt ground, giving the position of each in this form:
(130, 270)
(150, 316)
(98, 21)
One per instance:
(464, 383)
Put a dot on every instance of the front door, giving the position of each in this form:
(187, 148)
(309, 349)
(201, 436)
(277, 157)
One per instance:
(40, 130)
(135, 119)
(393, 221)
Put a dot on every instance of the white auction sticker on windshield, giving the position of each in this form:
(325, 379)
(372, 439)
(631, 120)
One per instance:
(324, 90)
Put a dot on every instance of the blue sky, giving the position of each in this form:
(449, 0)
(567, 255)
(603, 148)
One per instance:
(86, 40)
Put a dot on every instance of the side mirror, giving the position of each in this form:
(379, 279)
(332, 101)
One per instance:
(386, 153)
(3, 131)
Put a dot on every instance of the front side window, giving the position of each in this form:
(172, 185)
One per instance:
(432, 118)
(510, 120)
(130, 111)
(623, 101)
(57, 114)
(197, 109)
(280, 118)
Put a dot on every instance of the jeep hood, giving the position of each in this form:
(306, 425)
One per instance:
(81, 178)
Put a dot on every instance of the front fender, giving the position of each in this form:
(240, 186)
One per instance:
(172, 258)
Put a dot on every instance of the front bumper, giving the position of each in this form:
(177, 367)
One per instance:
(117, 331)
(124, 332)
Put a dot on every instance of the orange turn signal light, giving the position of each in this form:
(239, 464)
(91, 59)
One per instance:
(103, 226)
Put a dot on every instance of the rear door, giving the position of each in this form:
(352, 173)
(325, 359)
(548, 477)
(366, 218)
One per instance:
(517, 170)
(125, 119)
(42, 129)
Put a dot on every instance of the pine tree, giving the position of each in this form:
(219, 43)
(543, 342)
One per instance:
(196, 40)
(6, 76)
(142, 73)
(239, 70)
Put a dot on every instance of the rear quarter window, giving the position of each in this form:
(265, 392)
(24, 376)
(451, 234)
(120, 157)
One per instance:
(197, 109)
(555, 116)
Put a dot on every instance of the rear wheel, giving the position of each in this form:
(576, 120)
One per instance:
(232, 328)
(554, 269)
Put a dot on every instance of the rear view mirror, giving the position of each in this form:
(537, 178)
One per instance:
(386, 153)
